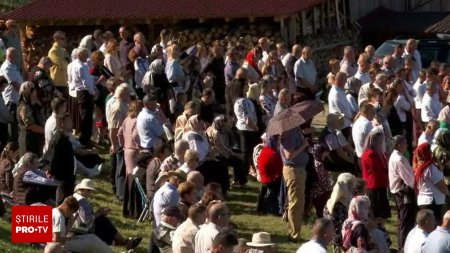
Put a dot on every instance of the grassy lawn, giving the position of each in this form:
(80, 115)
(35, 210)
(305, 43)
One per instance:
(242, 202)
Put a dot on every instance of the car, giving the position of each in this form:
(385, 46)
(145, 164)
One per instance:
(435, 49)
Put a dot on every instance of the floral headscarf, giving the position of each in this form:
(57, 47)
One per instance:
(157, 67)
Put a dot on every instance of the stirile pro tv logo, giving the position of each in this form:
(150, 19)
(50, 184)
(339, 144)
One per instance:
(31, 224)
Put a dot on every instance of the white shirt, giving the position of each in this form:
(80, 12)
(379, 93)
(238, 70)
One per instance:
(50, 127)
(305, 70)
(420, 89)
(400, 172)
(205, 237)
(430, 108)
(363, 77)
(353, 104)
(58, 222)
(428, 190)
(244, 111)
(338, 103)
(11, 73)
(198, 143)
(312, 247)
(183, 238)
(424, 138)
(363, 94)
(415, 240)
(402, 105)
(360, 130)
(81, 78)
(417, 58)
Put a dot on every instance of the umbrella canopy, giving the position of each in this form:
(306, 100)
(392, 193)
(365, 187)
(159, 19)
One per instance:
(293, 117)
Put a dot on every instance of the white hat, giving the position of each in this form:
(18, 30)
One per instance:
(85, 184)
(261, 239)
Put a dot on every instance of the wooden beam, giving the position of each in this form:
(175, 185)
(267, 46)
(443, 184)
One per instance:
(304, 22)
(329, 12)
(338, 19)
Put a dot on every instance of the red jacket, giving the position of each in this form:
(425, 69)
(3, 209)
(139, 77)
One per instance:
(270, 165)
(374, 170)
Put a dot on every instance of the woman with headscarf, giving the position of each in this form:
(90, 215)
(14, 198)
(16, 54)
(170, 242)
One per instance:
(355, 233)
(155, 81)
(375, 173)
(270, 169)
(218, 134)
(31, 120)
(336, 208)
(210, 167)
(430, 184)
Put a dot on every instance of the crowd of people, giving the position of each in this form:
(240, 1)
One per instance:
(177, 115)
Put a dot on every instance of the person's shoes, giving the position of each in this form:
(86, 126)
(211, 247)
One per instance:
(133, 242)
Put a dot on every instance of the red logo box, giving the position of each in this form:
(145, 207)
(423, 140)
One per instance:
(31, 224)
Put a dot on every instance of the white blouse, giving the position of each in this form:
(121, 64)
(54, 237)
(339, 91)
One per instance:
(244, 111)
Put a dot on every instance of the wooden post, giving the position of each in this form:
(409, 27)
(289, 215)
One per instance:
(315, 21)
(304, 22)
(338, 19)
(322, 14)
(293, 28)
(344, 11)
(284, 33)
(329, 12)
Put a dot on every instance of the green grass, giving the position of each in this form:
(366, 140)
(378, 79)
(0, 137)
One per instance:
(242, 202)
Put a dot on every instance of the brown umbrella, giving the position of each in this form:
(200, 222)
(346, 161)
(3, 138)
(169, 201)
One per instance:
(293, 117)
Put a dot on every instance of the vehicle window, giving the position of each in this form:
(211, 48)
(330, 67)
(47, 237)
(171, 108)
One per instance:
(387, 48)
(432, 53)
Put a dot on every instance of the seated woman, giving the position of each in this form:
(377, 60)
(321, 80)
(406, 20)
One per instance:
(220, 145)
(188, 197)
(176, 159)
(340, 156)
(32, 185)
(270, 167)
(8, 159)
(212, 169)
(336, 208)
(87, 221)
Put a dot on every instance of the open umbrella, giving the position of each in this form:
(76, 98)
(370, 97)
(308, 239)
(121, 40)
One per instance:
(293, 117)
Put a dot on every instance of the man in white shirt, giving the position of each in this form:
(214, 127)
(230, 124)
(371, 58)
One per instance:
(411, 50)
(361, 129)
(59, 109)
(306, 74)
(323, 233)
(338, 103)
(85, 88)
(428, 135)
(348, 65)
(183, 238)
(426, 223)
(430, 105)
(363, 69)
(218, 218)
(401, 184)
(11, 93)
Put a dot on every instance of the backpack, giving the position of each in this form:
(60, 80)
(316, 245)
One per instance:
(347, 230)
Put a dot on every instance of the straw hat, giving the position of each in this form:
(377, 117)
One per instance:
(179, 173)
(85, 184)
(261, 239)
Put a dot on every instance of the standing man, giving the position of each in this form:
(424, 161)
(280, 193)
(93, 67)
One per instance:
(323, 234)
(60, 59)
(289, 65)
(398, 61)
(361, 129)
(338, 103)
(439, 240)
(401, 184)
(11, 93)
(11, 34)
(363, 69)
(84, 86)
(126, 44)
(149, 127)
(306, 74)
(411, 50)
(230, 70)
(426, 223)
(348, 65)
(295, 158)
(218, 218)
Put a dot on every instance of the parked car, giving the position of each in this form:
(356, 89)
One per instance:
(434, 49)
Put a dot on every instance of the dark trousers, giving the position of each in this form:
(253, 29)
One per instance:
(406, 215)
(237, 165)
(3, 135)
(89, 160)
(86, 110)
(64, 91)
(248, 141)
(104, 229)
(112, 171)
(13, 127)
(65, 189)
(268, 197)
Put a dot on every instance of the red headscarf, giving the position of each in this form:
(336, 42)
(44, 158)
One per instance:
(251, 61)
(422, 159)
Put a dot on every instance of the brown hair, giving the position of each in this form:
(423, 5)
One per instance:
(9, 148)
(135, 108)
(111, 46)
(185, 189)
(97, 57)
(71, 203)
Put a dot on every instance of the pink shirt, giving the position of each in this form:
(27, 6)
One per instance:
(400, 172)
(128, 134)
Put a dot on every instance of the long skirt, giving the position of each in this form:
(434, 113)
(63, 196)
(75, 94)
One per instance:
(379, 202)
(133, 203)
(131, 156)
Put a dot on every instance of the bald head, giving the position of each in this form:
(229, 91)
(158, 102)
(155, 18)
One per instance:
(196, 178)
(306, 53)
(370, 50)
(340, 79)
(219, 214)
(411, 45)
(297, 50)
